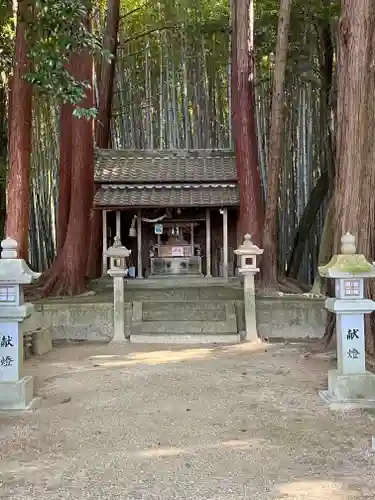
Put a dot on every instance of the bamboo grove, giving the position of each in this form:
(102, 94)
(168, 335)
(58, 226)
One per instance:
(173, 90)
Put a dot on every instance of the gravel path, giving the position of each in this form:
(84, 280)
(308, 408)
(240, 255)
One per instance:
(207, 423)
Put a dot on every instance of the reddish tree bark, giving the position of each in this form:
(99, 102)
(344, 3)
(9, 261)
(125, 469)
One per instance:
(17, 223)
(353, 197)
(66, 123)
(102, 127)
(3, 156)
(244, 127)
(68, 273)
(107, 75)
(269, 260)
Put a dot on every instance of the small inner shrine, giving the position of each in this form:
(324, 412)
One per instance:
(176, 211)
(176, 252)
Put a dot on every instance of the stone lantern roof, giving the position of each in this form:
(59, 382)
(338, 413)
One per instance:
(248, 247)
(348, 262)
(13, 269)
(117, 250)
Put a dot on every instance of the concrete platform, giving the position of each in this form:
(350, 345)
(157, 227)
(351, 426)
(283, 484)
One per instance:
(349, 391)
(17, 396)
(345, 404)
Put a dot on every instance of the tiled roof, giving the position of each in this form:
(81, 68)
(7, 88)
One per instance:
(199, 195)
(120, 166)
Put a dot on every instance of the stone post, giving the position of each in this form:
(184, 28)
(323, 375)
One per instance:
(16, 391)
(350, 384)
(118, 270)
(248, 257)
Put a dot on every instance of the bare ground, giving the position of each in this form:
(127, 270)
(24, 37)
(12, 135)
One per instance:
(216, 423)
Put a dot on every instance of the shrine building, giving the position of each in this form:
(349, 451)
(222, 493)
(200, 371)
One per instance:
(175, 210)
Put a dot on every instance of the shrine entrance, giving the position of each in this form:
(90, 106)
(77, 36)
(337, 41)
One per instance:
(176, 212)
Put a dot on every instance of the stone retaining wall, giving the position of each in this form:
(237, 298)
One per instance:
(290, 317)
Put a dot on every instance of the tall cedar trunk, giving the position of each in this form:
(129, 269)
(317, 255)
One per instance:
(351, 107)
(354, 207)
(3, 157)
(102, 128)
(107, 75)
(244, 126)
(269, 260)
(68, 273)
(327, 146)
(17, 224)
(66, 119)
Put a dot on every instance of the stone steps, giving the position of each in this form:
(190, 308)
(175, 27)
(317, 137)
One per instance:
(207, 294)
(168, 282)
(182, 327)
(183, 311)
(184, 322)
(172, 338)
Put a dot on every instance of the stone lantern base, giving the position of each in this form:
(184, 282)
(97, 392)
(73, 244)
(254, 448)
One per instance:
(18, 395)
(349, 391)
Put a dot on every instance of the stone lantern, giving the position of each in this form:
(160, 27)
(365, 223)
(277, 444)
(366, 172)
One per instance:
(248, 253)
(16, 391)
(350, 384)
(118, 254)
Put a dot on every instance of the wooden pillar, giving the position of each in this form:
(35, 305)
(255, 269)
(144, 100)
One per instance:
(208, 243)
(225, 243)
(118, 224)
(105, 243)
(139, 243)
(192, 238)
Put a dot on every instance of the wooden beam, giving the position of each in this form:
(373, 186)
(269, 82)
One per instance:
(105, 243)
(225, 243)
(192, 238)
(118, 224)
(139, 244)
(208, 242)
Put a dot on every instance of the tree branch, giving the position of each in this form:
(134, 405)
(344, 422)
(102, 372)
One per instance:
(127, 14)
(147, 32)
